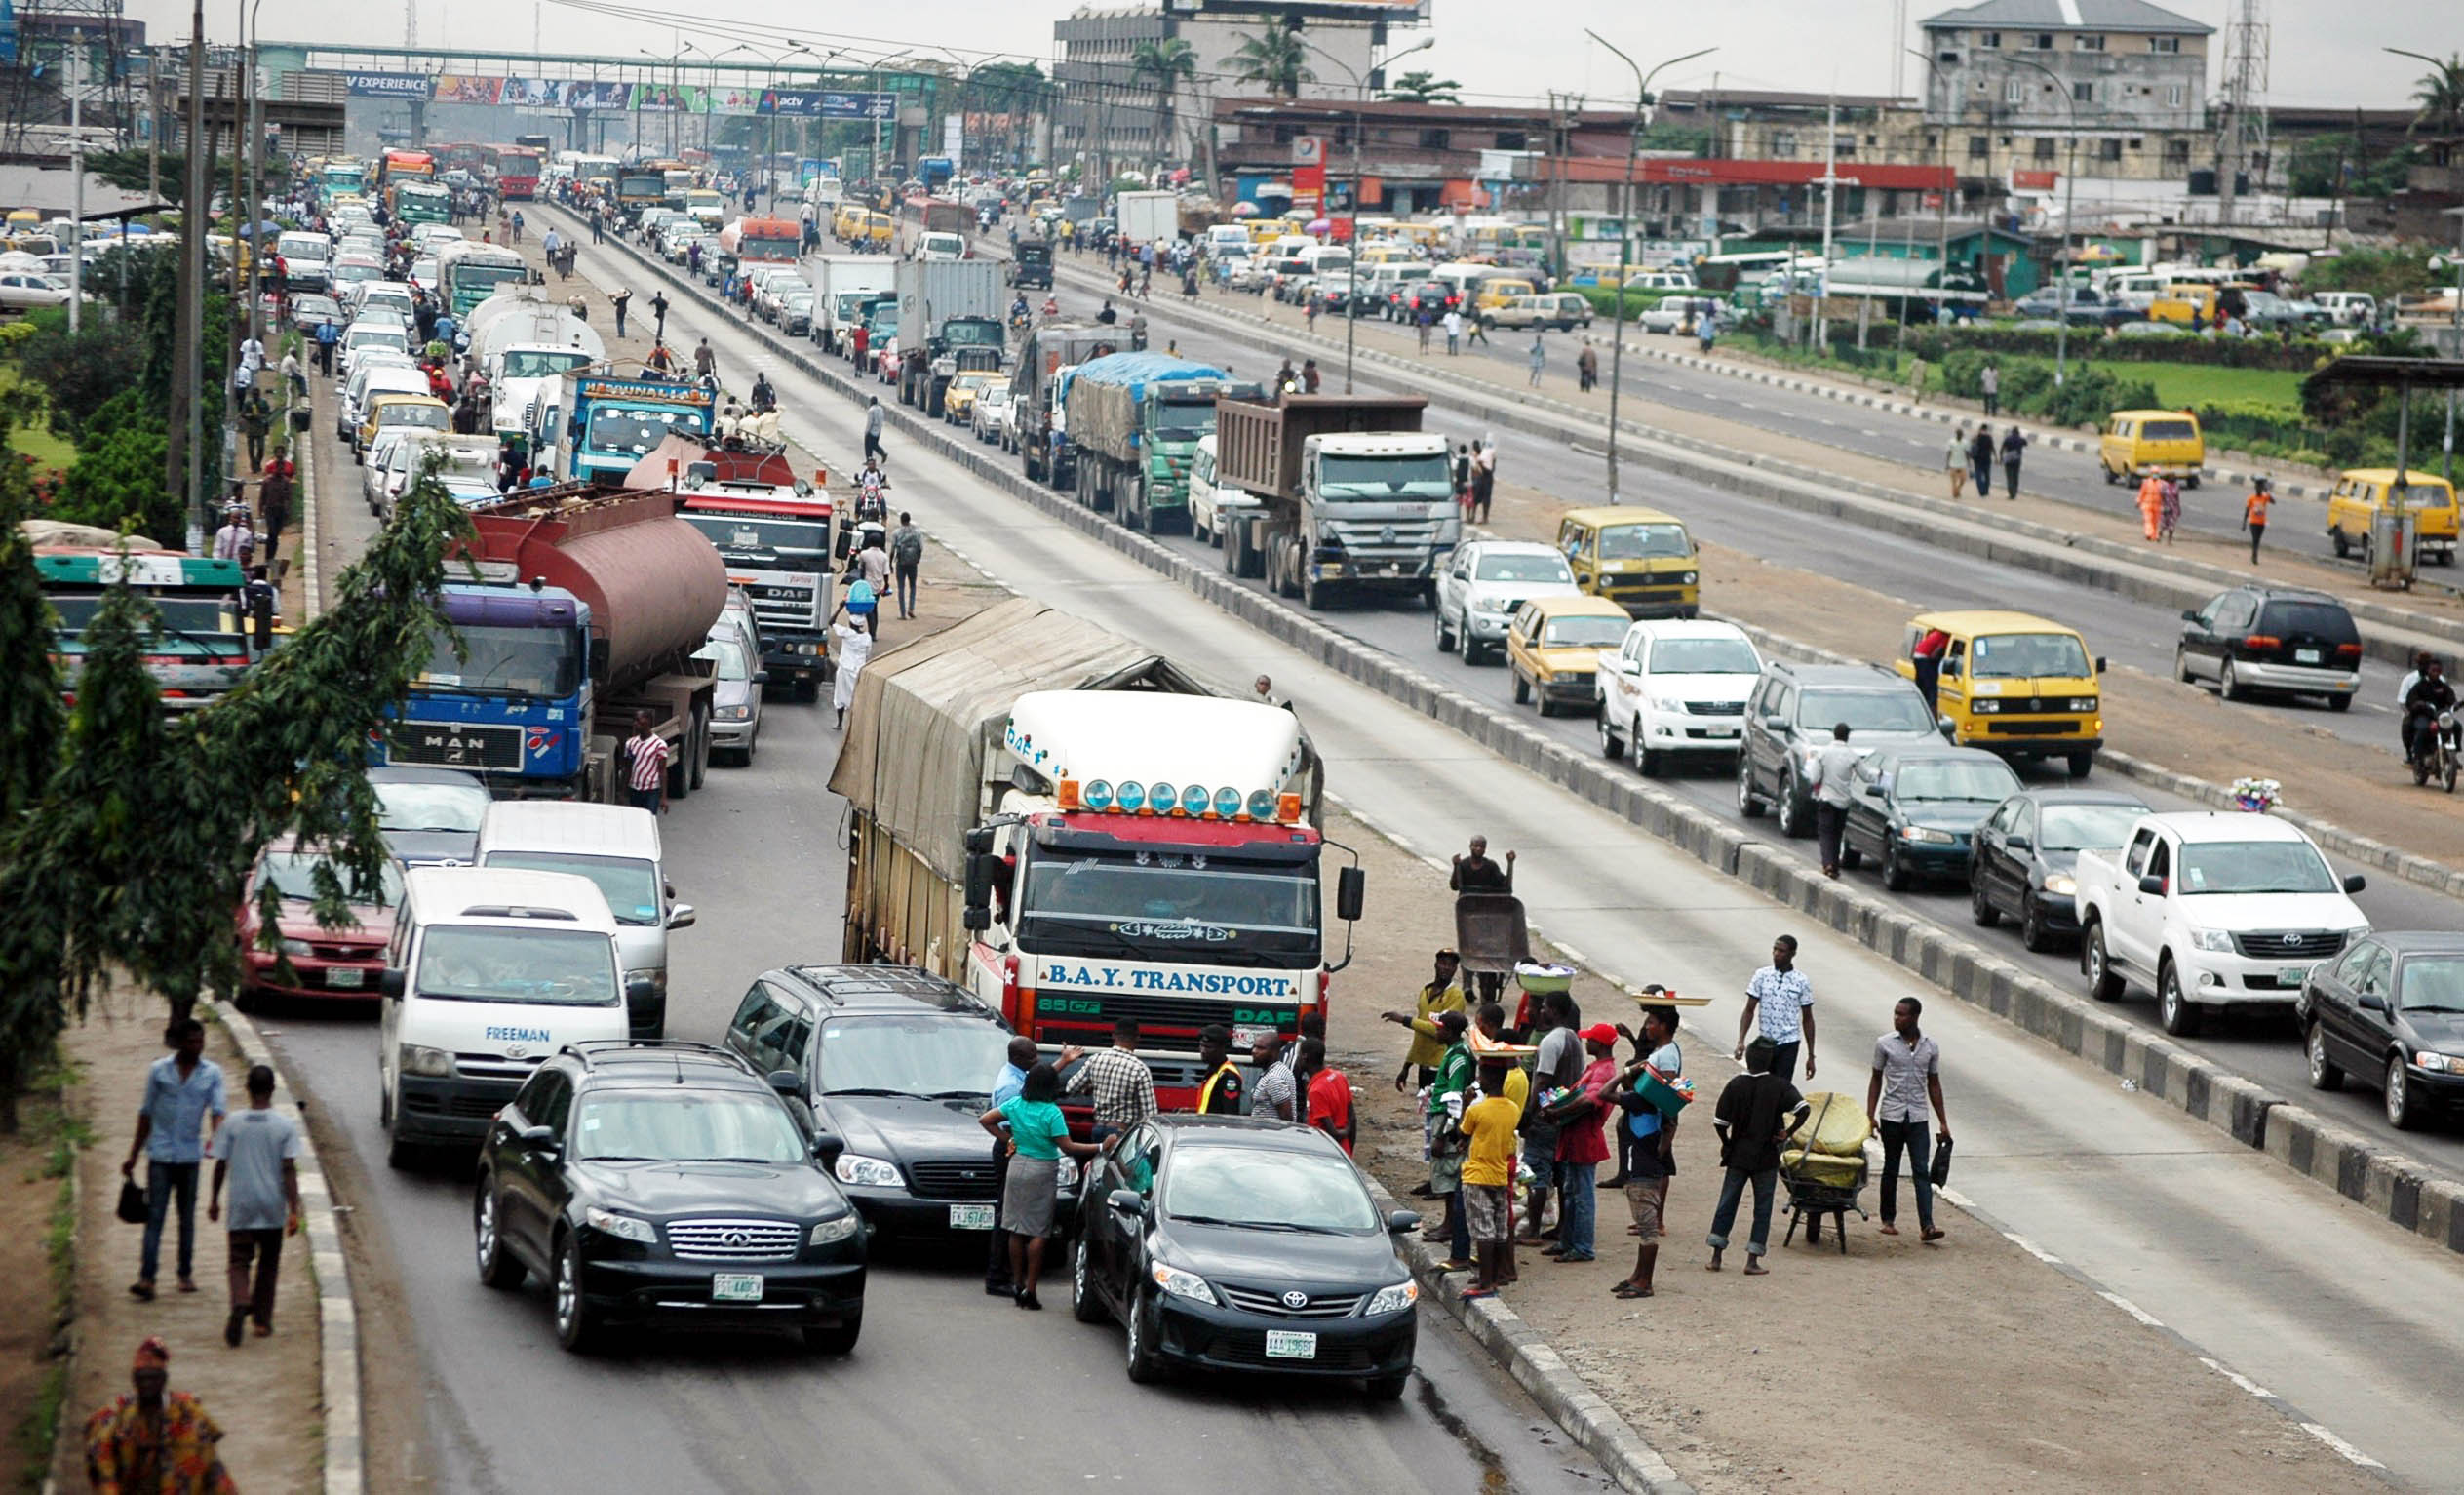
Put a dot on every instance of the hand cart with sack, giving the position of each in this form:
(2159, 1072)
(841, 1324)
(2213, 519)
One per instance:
(1825, 1167)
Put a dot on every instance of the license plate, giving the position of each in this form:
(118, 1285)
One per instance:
(970, 1217)
(1288, 1345)
(345, 975)
(735, 1288)
(1723, 731)
(2305, 657)
(2292, 975)
(1247, 1038)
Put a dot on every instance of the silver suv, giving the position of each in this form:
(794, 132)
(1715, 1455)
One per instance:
(1790, 716)
(1484, 583)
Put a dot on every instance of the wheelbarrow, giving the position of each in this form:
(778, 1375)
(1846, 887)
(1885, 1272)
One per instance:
(1492, 938)
(1825, 1167)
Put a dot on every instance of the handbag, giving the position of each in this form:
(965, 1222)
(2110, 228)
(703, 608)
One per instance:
(1941, 1169)
(131, 1208)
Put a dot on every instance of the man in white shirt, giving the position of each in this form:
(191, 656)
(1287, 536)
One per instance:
(1832, 767)
(1453, 332)
(1779, 1004)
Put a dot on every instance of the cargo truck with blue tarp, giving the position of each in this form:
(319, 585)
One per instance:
(1134, 422)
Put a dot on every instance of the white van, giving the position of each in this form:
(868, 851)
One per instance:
(1325, 259)
(617, 848)
(489, 973)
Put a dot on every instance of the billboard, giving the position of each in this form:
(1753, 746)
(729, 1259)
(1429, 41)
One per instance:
(535, 93)
(464, 88)
(582, 94)
(671, 99)
(389, 85)
(830, 103)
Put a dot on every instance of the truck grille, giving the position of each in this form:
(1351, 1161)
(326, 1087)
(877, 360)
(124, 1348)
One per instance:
(1715, 708)
(733, 1239)
(1099, 1010)
(962, 1181)
(454, 745)
(1257, 1300)
(2289, 944)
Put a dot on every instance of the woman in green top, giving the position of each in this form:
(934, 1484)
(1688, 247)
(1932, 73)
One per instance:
(1038, 1137)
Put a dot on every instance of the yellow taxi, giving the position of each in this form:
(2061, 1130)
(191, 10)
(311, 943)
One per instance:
(2184, 300)
(2363, 492)
(957, 402)
(2166, 443)
(848, 220)
(1553, 647)
(1498, 289)
(878, 230)
(2010, 684)
(1641, 559)
(424, 412)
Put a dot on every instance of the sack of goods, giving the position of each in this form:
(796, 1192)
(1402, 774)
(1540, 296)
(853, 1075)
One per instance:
(1829, 1144)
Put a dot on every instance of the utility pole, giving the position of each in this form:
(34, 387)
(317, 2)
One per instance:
(77, 175)
(189, 407)
(1820, 331)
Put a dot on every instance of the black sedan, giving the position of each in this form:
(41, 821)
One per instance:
(2390, 1012)
(1914, 809)
(430, 816)
(665, 1183)
(2024, 851)
(1228, 1244)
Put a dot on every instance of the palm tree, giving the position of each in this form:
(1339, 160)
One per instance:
(1425, 87)
(1167, 65)
(1016, 90)
(1277, 59)
(2441, 95)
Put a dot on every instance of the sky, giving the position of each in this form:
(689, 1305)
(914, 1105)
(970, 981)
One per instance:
(2324, 52)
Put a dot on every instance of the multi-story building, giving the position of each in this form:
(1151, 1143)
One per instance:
(2010, 84)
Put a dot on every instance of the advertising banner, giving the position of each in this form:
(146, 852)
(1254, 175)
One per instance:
(535, 93)
(464, 88)
(737, 99)
(582, 94)
(389, 85)
(830, 103)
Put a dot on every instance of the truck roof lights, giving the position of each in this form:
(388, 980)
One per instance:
(1163, 797)
(1194, 799)
(1097, 794)
(1132, 795)
(1227, 802)
(1288, 807)
(1262, 804)
(1066, 794)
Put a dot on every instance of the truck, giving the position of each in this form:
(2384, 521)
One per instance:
(842, 285)
(469, 273)
(936, 215)
(1135, 421)
(949, 322)
(1080, 831)
(773, 530)
(1047, 349)
(591, 427)
(575, 608)
(1351, 496)
(638, 188)
(2210, 909)
(1147, 218)
(935, 172)
(1031, 265)
(197, 651)
(522, 357)
(421, 201)
(763, 241)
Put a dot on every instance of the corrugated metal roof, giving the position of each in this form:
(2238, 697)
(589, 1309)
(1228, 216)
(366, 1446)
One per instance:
(2070, 15)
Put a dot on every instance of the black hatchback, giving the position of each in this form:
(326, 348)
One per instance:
(2390, 1012)
(665, 1183)
(1228, 1244)
(2277, 640)
(1914, 809)
(2026, 849)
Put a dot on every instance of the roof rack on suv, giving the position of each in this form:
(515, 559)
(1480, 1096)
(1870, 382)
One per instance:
(853, 983)
(597, 1051)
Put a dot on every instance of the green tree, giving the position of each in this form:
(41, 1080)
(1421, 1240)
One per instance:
(1425, 87)
(1016, 90)
(116, 483)
(1164, 66)
(29, 681)
(80, 370)
(2439, 92)
(1277, 59)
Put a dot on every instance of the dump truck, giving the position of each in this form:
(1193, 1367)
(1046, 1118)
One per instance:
(1034, 385)
(1080, 831)
(949, 322)
(1135, 421)
(1352, 498)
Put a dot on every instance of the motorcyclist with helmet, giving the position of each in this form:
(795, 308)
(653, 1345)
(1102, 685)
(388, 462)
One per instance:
(2425, 700)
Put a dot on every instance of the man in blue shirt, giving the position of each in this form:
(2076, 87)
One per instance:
(1651, 1137)
(1006, 1087)
(181, 1090)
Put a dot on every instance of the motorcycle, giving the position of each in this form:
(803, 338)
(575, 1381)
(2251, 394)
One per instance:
(2438, 753)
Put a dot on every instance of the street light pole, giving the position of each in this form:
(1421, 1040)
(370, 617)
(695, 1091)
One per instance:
(1625, 228)
(2070, 186)
(1359, 127)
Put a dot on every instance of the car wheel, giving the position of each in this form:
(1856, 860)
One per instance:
(577, 1326)
(1547, 707)
(1749, 803)
(1389, 1388)
(1522, 688)
(498, 1268)
(2103, 983)
(1611, 746)
(2343, 547)
(2403, 1111)
(1445, 639)
(2081, 764)
(2034, 934)
(2325, 1073)
(1895, 873)
(2228, 684)
(2181, 667)
(838, 1339)
(2178, 1014)
(1980, 905)
(399, 1153)
(1144, 1367)
(2339, 703)
(1084, 1305)
(1796, 813)
(1651, 763)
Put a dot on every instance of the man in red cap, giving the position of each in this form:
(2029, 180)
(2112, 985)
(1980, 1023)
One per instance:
(1582, 1146)
(156, 1441)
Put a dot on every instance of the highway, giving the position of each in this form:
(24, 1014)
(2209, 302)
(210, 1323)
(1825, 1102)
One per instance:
(2272, 1277)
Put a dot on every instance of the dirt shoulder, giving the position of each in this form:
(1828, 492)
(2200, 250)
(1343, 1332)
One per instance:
(1968, 1366)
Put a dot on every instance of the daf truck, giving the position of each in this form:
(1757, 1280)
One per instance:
(1353, 498)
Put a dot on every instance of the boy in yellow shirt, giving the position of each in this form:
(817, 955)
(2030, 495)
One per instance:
(1488, 1174)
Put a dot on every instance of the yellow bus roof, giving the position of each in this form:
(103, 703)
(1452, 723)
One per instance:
(1986, 620)
(1585, 604)
(1602, 518)
(2414, 475)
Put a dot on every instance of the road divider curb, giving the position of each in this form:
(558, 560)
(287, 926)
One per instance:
(2247, 1112)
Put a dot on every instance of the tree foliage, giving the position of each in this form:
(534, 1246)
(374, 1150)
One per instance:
(1422, 86)
(1164, 66)
(1276, 59)
(82, 370)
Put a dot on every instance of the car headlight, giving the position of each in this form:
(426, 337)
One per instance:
(1394, 1299)
(2082, 703)
(869, 1172)
(1494, 606)
(2213, 939)
(297, 947)
(1984, 708)
(833, 1231)
(1688, 578)
(1182, 1285)
(1926, 833)
(623, 1226)
(733, 713)
(417, 1059)
(657, 975)
(2061, 884)
(1065, 1174)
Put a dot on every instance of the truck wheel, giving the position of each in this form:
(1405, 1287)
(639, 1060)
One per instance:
(2178, 1015)
(701, 748)
(1133, 505)
(1229, 542)
(2080, 764)
(680, 773)
(1312, 596)
(2103, 983)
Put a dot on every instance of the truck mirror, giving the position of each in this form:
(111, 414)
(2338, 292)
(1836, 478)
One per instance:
(979, 841)
(1351, 884)
(981, 868)
(598, 658)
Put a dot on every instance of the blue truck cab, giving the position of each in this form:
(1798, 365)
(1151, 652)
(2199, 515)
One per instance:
(596, 428)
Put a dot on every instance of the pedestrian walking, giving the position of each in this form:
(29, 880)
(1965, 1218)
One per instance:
(1707, 325)
(2169, 509)
(1477, 331)
(2151, 504)
(1454, 330)
(257, 1153)
(1980, 460)
(1484, 478)
(854, 648)
(1038, 1136)
(257, 418)
(1586, 366)
(329, 334)
(183, 1097)
(1537, 356)
(2013, 447)
(1756, 1111)
(1907, 1076)
(1833, 768)
(273, 501)
(622, 301)
(1421, 322)
(1989, 384)
(705, 362)
(2254, 513)
(658, 310)
(153, 1440)
(1651, 1142)
(1955, 461)
(1309, 310)
(1329, 1097)
(1582, 1113)
(235, 540)
(1779, 1006)
(1488, 1177)
(874, 418)
(1310, 379)
(907, 555)
(1123, 1087)
(646, 756)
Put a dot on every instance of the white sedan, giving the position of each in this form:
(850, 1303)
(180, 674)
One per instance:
(995, 413)
(23, 290)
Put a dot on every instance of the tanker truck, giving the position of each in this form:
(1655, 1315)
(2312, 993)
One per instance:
(1134, 421)
(1080, 831)
(576, 606)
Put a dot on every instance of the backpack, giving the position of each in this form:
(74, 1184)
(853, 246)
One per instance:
(908, 548)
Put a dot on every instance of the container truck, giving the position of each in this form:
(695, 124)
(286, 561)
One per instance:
(1038, 415)
(591, 427)
(1353, 498)
(1080, 831)
(576, 607)
(773, 530)
(1147, 218)
(949, 322)
(842, 285)
(1135, 421)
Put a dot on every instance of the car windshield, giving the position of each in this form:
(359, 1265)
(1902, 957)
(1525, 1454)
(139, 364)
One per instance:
(539, 363)
(421, 415)
(2029, 657)
(1703, 656)
(1190, 906)
(505, 660)
(558, 968)
(2431, 983)
(1413, 476)
(1576, 632)
(2254, 867)
(635, 431)
(673, 1124)
(1524, 567)
(728, 654)
(1987, 779)
(1266, 1189)
(424, 806)
(2077, 827)
(377, 337)
(1635, 542)
(1865, 711)
(920, 1053)
(1183, 420)
(294, 876)
(631, 884)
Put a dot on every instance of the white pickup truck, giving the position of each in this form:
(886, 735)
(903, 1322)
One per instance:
(1676, 687)
(2210, 909)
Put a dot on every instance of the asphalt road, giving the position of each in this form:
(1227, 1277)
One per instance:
(2267, 1275)
(949, 1389)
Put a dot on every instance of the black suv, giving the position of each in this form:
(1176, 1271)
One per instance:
(2274, 638)
(897, 1063)
(659, 1182)
(1789, 719)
